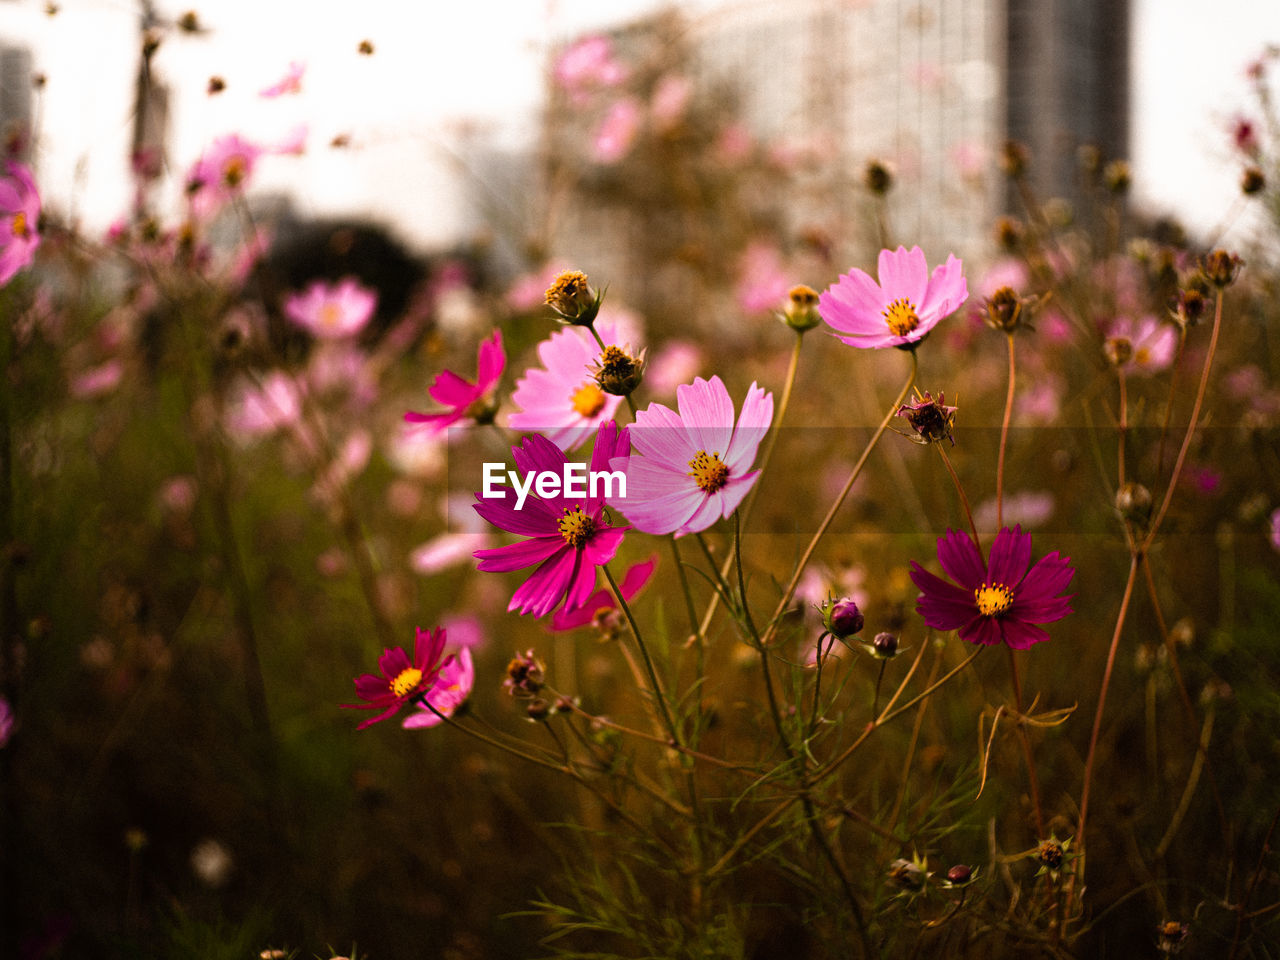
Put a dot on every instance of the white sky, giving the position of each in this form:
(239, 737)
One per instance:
(439, 65)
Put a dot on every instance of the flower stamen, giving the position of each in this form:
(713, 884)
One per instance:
(406, 681)
(901, 317)
(588, 400)
(709, 471)
(19, 225)
(993, 599)
(576, 527)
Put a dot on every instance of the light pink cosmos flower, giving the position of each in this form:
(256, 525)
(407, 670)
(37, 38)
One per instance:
(19, 220)
(291, 82)
(446, 694)
(587, 65)
(332, 311)
(568, 536)
(1154, 343)
(693, 467)
(561, 400)
(617, 131)
(899, 310)
(762, 282)
(603, 601)
(465, 399)
(256, 410)
(221, 173)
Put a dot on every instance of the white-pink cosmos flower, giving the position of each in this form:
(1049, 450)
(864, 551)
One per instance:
(331, 312)
(899, 310)
(689, 469)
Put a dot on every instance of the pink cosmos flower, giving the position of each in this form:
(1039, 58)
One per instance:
(762, 282)
(19, 219)
(450, 690)
(221, 173)
(255, 410)
(1154, 344)
(332, 311)
(1275, 530)
(6, 721)
(899, 310)
(291, 82)
(561, 400)
(464, 399)
(402, 680)
(568, 536)
(693, 466)
(603, 601)
(586, 65)
(997, 603)
(617, 131)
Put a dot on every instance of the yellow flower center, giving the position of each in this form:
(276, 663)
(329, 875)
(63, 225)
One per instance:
(330, 316)
(993, 599)
(709, 471)
(1142, 356)
(588, 400)
(901, 317)
(233, 170)
(406, 681)
(576, 527)
(20, 224)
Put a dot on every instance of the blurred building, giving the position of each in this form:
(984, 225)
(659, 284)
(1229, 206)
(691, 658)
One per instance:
(933, 88)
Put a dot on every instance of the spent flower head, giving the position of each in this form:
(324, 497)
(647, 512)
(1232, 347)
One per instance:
(617, 371)
(571, 296)
(1221, 268)
(1005, 310)
(931, 419)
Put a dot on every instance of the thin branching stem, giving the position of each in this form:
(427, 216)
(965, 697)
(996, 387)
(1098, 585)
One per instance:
(1004, 436)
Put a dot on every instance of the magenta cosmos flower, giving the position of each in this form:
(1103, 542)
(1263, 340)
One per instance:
(449, 692)
(19, 218)
(463, 398)
(332, 311)
(999, 602)
(603, 601)
(568, 536)
(899, 310)
(402, 680)
(221, 173)
(692, 466)
(561, 399)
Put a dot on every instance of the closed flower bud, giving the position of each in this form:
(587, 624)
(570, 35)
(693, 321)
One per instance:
(1133, 500)
(524, 676)
(1252, 181)
(1009, 233)
(885, 646)
(1118, 351)
(878, 178)
(1221, 268)
(617, 372)
(1117, 177)
(801, 312)
(573, 299)
(1004, 310)
(959, 875)
(842, 618)
(538, 709)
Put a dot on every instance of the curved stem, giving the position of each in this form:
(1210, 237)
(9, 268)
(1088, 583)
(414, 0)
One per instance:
(1004, 437)
(658, 693)
(1124, 424)
(964, 500)
(835, 506)
(1168, 408)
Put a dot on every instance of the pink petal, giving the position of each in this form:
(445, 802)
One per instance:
(947, 290)
(517, 556)
(451, 390)
(980, 629)
(664, 514)
(659, 433)
(961, 560)
(943, 605)
(582, 583)
(904, 274)
(1050, 576)
(1010, 554)
(707, 412)
(707, 513)
(603, 545)
(535, 519)
(1019, 635)
(753, 424)
(546, 586)
(490, 362)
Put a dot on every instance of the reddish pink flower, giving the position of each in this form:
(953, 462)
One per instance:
(19, 220)
(463, 398)
(561, 400)
(899, 310)
(568, 536)
(331, 312)
(998, 603)
(693, 467)
(446, 695)
(221, 173)
(403, 680)
(603, 601)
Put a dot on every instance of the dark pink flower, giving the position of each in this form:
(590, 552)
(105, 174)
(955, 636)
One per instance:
(899, 310)
(402, 680)
(568, 536)
(332, 311)
(450, 690)
(603, 601)
(465, 399)
(693, 467)
(997, 603)
(19, 220)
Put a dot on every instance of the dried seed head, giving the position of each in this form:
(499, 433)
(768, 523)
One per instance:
(1221, 268)
(1118, 351)
(878, 177)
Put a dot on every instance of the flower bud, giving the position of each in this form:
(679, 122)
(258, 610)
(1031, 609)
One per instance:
(1220, 268)
(1051, 853)
(1117, 177)
(959, 875)
(1133, 500)
(801, 311)
(1252, 181)
(885, 646)
(538, 709)
(1014, 159)
(842, 618)
(1009, 233)
(524, 676)
(572, 297)
(1118, 351)
(878, 178)
(1004, 310)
